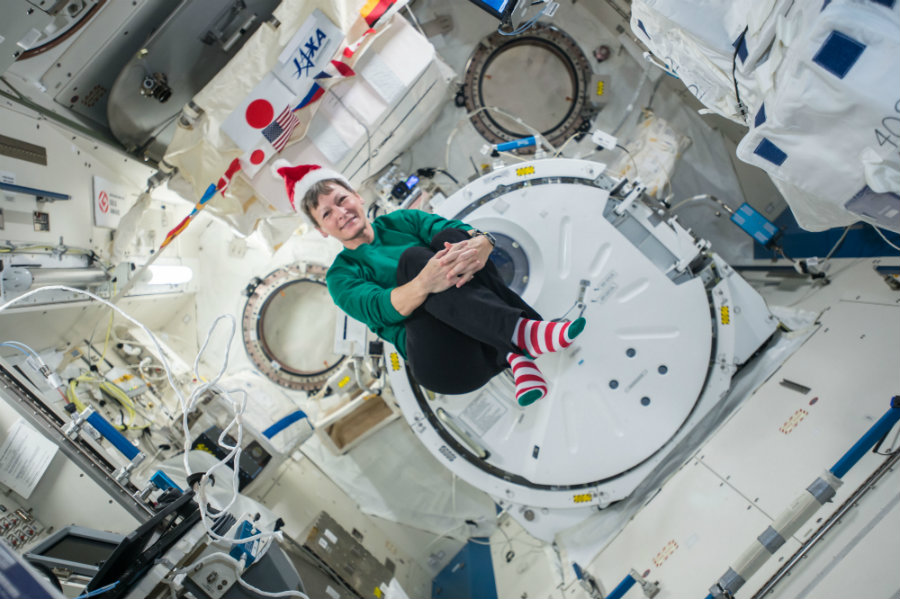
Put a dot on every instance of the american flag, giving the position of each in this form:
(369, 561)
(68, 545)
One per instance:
(279, 131)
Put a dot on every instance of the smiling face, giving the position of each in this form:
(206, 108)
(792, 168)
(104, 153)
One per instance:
(340, 214)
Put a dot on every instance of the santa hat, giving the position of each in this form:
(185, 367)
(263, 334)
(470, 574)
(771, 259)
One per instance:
(299, 179)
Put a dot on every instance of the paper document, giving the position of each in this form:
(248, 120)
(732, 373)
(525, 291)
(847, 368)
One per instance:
(24, 457)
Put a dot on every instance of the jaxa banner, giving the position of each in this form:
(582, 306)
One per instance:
(305, 56)
(262, 122)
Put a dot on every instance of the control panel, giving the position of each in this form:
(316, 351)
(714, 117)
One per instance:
(17, 526)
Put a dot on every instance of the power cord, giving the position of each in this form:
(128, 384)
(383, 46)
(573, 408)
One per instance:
(187, 405)
(742, 108)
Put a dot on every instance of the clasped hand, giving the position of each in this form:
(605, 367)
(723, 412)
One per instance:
(456, 264)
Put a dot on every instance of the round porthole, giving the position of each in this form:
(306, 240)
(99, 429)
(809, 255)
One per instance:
(288, 327)
(511, 262)
(540, 76)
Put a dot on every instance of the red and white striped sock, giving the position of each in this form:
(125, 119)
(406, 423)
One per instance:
(530, 383)
(538, 337)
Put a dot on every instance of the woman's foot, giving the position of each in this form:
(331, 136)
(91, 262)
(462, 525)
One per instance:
(536, 337)
(530, 383)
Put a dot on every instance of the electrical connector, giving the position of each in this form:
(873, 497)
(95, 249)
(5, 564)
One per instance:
(243, 552)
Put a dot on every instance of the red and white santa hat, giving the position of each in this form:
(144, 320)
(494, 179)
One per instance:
(299, 179)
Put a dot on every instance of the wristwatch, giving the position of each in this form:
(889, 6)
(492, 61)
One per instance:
(491, 238)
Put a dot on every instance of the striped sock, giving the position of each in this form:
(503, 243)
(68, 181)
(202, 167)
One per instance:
(530, 383)
(538, 337)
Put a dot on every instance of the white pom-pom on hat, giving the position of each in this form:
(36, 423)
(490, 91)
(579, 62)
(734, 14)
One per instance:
(299, 179)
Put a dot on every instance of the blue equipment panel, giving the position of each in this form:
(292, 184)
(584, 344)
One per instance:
(754, 224)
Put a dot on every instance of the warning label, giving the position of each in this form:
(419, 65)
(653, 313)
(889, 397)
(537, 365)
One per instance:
(483, 413)
(110, 203)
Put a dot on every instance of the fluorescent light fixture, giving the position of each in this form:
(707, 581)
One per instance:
(169, 275)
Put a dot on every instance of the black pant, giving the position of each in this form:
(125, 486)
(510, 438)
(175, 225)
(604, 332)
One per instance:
(458, 339)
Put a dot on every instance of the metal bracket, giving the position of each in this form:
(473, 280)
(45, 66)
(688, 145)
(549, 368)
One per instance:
(73, 429)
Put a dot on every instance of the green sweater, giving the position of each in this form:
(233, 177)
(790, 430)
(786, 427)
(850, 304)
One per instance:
(360, 281)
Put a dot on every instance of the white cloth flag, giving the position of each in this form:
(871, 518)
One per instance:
(257, 111)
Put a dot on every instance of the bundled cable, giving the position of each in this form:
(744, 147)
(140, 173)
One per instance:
(210, 386)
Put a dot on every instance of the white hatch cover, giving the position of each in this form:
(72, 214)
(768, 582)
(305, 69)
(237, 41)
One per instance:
(628, 383)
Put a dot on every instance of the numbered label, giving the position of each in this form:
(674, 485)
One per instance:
(889, 131)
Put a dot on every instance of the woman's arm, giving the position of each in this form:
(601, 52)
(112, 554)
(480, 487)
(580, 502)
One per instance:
(465, 258)
(434, 278)
(423, 225)
(377, 306)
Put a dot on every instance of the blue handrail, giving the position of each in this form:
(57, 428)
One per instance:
(38, 193)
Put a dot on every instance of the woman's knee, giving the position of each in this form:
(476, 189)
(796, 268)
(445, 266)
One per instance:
(448, 236)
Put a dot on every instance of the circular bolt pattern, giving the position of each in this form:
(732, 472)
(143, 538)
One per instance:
(581, 110)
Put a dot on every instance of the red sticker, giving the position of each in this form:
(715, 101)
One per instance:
(104, 202)
(259, 114)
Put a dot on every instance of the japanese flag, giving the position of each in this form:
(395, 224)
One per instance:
(257, 157)
(256, 112)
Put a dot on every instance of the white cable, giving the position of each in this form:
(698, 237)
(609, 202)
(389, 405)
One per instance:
(207, 558)
(165, 362)
(186, 404)
(565, 143)
(702, 196)
(17, 345)
(259, 591)
(238, 567)
(880, 234)
(415, 21)
(446, 535)
(532, 130)
(235, 450)
(513, 156)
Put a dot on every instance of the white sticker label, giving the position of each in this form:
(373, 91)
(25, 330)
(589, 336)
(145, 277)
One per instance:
(331, 536)
(24, 457)
(7, 177)
(110, 203)
(483, 413)
(332, 593)
(323, 543)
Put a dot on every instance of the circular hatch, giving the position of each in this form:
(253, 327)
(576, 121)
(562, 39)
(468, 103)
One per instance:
(288, 327)
(540, 76)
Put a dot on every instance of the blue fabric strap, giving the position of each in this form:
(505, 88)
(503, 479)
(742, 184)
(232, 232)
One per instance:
(838, 54)
(760, 116)
(766, 149)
